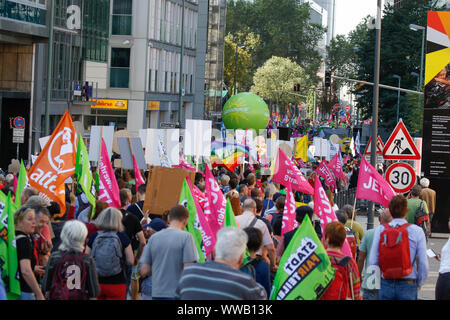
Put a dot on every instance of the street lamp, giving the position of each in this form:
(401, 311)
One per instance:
(415, 27)
(398, 97)
(235, 65)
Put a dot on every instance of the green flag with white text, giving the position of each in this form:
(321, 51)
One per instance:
(193, 225)
(21, 183)
(8, 259)
(84, 174)
(305, 271)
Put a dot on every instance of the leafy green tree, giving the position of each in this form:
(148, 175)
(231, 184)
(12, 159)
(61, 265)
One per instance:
(276, 77)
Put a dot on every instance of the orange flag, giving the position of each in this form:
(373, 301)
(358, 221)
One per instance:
(56, 163)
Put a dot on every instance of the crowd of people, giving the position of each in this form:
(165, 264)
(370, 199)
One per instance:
(126, 253)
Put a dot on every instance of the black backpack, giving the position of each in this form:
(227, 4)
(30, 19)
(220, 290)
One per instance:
(69, 278)
(249, 267)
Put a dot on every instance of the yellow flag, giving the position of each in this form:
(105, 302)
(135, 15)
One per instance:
(302, 148)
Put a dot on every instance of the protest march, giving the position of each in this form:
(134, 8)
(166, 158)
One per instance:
(201, 215)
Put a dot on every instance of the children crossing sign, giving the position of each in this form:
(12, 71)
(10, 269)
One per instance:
(400, 145)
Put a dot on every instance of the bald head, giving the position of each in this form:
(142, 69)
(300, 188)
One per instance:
(249, 205)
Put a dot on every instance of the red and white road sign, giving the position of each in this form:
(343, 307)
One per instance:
(400, 145)
(380, 146)
(401, 177)
(347, 108)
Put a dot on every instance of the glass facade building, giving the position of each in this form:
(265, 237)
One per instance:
(32, 11)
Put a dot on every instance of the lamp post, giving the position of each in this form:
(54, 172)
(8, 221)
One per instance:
(415, 27)
(48, 89)
(415, 74)
(398, 97)
(181, 89)
(235, 66)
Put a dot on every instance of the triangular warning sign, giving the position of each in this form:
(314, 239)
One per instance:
(380, 146)
(400, 145)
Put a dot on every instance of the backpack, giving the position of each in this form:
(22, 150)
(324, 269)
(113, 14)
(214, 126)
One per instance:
(422, 219)
(249, 267)
(107, 253)
(69, 278)
(340, 286)
(394, 257)
(351, 239)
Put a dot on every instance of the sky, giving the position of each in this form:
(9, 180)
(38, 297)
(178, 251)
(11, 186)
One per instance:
(349, 13)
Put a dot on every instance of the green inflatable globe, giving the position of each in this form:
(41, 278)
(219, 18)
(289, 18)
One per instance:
(245, 110)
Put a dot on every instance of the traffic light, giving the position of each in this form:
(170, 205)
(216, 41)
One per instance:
(297, 87)
(327, 79)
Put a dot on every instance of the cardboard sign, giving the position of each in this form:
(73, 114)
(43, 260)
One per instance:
(128, 145)
(164, 187)
(107, 133)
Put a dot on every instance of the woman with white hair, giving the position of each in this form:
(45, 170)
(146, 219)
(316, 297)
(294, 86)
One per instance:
(70, 274)
(429, 196)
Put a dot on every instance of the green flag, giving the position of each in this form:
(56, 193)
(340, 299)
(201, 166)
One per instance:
(305, 271)
(8, 259)
(84, 177)
(193, 225)
(21, 183)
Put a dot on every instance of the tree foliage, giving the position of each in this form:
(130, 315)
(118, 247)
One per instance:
(278, 75)
(400, 54)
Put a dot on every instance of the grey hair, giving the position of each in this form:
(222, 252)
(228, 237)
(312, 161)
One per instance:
(348, 210)
(225, 178)
(9, 178)
(269, 191)
(73, 236)
(109, 219)
(424, 182)
(231, 244)
(248, 204)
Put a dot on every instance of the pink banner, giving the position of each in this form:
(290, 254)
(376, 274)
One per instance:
(108, 188)
(323, 171)
(289, 221)
(287, 173)
(372, 186)
(346, 159)
(202, 201)
(335, 165)
(216, 201)
(137, 174)
(209, 238)
(300, 163)
(324, 210)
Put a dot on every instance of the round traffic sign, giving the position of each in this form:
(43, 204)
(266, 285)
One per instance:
(347, 108)
(401, 177)
(19, 122)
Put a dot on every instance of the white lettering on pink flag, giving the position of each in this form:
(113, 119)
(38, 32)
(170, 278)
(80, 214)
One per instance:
(208, 237)
(289, 222)
(287, 173)
(324, 210)
(216, 201)
(108, 187)
(323, 171)
(372, 186)
(335, 165)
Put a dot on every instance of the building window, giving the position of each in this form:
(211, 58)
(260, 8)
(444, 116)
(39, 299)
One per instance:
(120, 68)
(122, 17)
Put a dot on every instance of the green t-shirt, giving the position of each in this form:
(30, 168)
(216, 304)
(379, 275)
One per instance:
(366, 246)
(357, 228)
(413, 205)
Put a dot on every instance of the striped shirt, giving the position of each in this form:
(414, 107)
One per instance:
(352, 269)
(217, 281)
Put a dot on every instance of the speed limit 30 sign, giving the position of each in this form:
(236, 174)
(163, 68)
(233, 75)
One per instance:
(401, 177)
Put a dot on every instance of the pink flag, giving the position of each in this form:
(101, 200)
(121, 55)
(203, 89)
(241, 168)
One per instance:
(324, 210)
(346, 159)
(202, 201)
(137, 174)
(289, 221)
(184, 165)
(300, 163)
(208, 237)
(335, 165)
(15, 181)
(287, 173)
(372, 186)
(323, 171)
(108, 188)
(216, 201)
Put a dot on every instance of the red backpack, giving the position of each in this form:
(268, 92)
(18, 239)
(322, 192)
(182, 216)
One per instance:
(394, 257)
(339, 288)
(351, 239)
(69, 278)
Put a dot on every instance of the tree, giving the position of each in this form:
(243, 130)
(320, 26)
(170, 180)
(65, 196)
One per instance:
(276, 77)
(400, 54)
(244, 61)
(284, 29)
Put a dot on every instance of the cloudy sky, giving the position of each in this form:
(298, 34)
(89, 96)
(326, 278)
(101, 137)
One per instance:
(349, 13)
